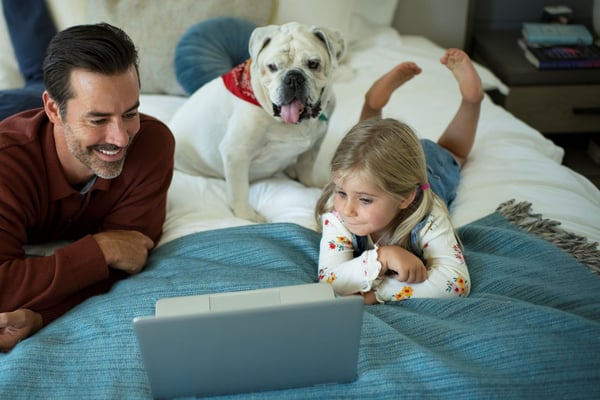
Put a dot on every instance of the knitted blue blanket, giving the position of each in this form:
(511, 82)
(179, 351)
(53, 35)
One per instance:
(529, 329)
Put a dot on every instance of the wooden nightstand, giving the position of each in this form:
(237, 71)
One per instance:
(552, 101)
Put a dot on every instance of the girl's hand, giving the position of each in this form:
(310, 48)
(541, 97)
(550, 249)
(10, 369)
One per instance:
(369, 298)
(402, 263)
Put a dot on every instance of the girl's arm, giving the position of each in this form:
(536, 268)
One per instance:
(448, 275)
(337, 264)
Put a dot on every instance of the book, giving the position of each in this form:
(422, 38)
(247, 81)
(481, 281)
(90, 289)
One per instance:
(551, 34)
(562, 57)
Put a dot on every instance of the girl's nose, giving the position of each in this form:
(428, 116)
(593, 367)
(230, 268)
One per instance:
(349, 208)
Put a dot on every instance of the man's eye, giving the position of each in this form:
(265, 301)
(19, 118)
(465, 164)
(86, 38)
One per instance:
(131, 115)
(98, 121)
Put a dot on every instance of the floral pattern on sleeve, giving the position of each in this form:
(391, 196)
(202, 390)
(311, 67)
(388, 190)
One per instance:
(340, 243)
(458, 286)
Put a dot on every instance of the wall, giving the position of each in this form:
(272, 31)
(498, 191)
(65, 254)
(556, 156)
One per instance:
(450, 23)
(510, 14)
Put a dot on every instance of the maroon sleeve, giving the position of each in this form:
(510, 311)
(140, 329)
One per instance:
(41, 283)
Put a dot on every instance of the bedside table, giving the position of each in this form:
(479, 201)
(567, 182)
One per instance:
(552, 101)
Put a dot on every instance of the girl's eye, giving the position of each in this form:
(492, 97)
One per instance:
(341, 193)
(366, 201)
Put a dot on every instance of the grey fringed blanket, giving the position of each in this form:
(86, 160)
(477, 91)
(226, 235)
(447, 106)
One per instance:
(529, 329)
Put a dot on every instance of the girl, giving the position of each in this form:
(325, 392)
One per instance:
(386, 230)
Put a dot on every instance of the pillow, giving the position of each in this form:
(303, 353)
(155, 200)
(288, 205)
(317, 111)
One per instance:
(156, 27)
(10, 75)
(64, 15)
(210, 49)
(353, 18)
(335, 14)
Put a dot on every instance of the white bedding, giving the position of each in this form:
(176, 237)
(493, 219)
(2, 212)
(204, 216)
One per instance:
(510, 160)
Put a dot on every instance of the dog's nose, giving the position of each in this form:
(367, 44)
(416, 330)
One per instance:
(294, 79)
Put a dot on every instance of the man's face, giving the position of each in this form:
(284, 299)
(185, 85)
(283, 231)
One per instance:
(100, 123)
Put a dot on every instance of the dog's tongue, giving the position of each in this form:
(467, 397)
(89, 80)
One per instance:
(290, 113)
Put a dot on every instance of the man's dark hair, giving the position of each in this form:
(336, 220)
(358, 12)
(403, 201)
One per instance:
(100, 48)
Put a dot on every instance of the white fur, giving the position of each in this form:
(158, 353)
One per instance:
(219, 135)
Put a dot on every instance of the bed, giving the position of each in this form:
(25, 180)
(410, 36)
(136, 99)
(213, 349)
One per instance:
(530, 227)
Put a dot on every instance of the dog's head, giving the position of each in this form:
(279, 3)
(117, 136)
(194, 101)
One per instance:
(292, 66)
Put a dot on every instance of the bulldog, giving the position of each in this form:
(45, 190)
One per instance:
(267, 115)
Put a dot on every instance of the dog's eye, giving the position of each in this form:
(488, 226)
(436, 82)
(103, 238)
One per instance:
(272, 67)
(314, 64)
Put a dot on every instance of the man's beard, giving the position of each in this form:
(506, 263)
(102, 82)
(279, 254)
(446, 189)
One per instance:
(88, 157)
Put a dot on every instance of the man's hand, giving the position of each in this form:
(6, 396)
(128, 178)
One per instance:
(125, 250)
(16, 326)
(406, 266)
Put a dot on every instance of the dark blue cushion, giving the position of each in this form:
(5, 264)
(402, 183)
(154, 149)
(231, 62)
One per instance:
(13, 101)
(210, 49)
(30, 27)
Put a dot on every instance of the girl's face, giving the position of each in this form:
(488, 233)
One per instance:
(366, 209)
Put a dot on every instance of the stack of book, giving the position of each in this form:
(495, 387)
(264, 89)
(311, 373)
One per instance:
(559, 46)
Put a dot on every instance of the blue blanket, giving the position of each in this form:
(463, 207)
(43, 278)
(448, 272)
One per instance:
(529, 329)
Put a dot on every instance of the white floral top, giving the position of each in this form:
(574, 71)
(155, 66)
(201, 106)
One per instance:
(443, 257)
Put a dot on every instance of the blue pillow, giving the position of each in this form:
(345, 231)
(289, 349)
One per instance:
(210, 49)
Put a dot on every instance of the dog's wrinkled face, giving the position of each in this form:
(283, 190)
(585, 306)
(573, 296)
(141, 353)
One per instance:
(292, 66)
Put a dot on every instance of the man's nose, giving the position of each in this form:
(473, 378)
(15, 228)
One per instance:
(118, 134)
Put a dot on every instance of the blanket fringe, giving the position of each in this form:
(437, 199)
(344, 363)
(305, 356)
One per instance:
(581, 248)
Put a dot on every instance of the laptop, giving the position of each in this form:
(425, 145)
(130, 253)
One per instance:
(250, 341)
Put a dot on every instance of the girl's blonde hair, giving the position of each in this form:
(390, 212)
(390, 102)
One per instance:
(387, 152)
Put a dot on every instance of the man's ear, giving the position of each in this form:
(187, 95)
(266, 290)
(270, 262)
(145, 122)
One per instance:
(408, 200)
(51, 108)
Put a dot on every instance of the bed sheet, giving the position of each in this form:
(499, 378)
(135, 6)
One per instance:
(529, 329)
(509, 160)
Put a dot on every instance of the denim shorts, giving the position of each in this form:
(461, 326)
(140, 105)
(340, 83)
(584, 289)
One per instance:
(443, 171)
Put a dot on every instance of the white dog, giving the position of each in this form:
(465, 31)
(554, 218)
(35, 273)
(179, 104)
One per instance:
(272, 118)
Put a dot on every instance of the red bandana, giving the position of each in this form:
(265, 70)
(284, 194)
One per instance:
(237, 81)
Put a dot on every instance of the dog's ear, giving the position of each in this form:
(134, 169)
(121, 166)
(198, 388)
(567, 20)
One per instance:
(260, 38)
(334, 41)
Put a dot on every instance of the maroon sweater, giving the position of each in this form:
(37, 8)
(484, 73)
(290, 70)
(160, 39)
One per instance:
(38, 205)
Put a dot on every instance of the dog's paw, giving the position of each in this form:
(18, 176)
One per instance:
(250, 214)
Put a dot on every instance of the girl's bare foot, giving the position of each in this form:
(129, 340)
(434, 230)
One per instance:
(380, 92)
(463, 70)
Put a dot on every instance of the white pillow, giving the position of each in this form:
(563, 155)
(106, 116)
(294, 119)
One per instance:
(335, 14)
(157, 26)
(353, 18)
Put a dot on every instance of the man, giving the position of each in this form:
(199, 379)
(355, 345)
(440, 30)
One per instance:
(88, 169)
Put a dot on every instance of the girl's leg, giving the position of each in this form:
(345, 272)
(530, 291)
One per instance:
(380, 92)
(459, 136)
